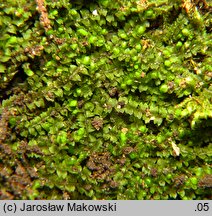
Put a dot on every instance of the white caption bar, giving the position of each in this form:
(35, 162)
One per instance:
(103, 207)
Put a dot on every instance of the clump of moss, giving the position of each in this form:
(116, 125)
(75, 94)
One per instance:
(106, 99)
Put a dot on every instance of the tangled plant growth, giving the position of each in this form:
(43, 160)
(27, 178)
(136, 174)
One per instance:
(105, 99)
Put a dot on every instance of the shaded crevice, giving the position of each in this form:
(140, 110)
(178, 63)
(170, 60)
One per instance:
(18, 79)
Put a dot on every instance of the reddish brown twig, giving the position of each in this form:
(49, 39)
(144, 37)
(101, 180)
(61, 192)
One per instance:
(45, 22)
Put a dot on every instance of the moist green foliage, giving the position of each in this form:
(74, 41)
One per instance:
(112, 101)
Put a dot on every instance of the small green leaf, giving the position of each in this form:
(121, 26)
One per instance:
(143, 129)
(62, 174)
(72, 160)
(123, 138)
(194, 180)
(83, 32)
(12, 121)
(12, 40)
(148, 181)
(62, 138)
(72, 103)
(86, 60)
(70, 188)
(110, 18)
(186, 32)
(164, 88)
(2, 68)
(167, 63)
(81, 131)
(59, 92)
(92, 39)
(141, 30)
